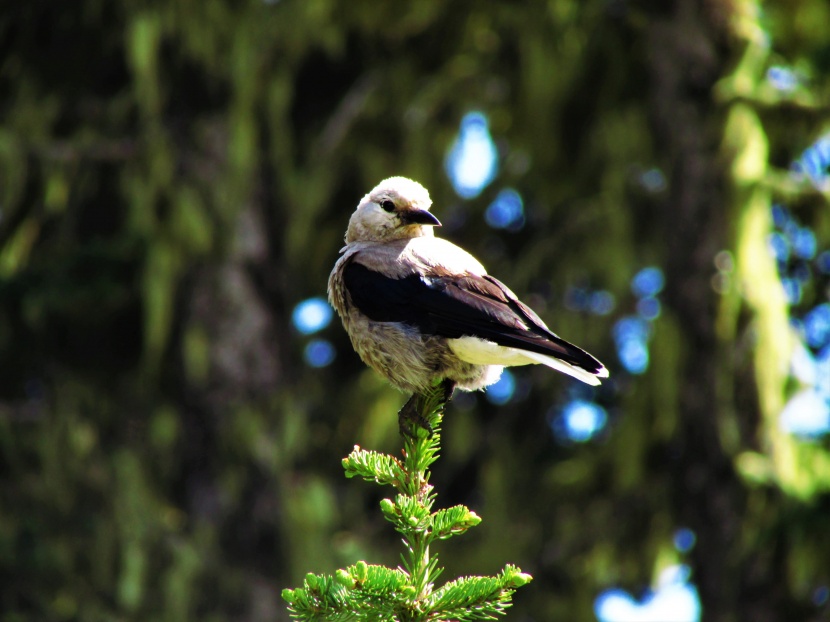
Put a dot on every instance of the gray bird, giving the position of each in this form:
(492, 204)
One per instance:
(419, 309)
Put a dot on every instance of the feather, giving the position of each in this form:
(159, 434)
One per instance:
(466, 305)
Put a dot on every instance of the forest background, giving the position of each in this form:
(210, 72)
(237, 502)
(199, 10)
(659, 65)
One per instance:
(175, 397)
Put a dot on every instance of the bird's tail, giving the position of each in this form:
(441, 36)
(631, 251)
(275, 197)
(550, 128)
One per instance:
(587, 377)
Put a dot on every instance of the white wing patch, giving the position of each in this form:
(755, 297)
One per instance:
(482, 352)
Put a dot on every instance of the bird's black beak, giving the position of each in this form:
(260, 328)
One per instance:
(419, 217)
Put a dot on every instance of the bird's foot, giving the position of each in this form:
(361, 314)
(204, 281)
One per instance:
(410, 417)
(448, 386)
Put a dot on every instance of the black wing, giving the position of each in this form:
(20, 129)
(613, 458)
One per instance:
(454, 306)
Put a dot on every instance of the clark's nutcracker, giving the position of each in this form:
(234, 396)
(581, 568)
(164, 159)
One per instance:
(419, 309)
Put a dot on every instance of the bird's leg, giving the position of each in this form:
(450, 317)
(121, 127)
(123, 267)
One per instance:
(448, 386)
(410, 414)
(409, 417)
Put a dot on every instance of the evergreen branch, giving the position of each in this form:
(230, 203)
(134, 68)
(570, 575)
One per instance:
(453, 521)
(376, 593)
(478, 598)
(374, 467)
(362, 591)
(406, 514)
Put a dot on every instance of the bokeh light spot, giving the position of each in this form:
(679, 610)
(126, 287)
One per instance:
(319, 353)
(311, 315)
(803, 366)
(579, 421)
(815, 161)
(674, 600)
(472, 162)
(822, 360)
(817, 326)
(506, 211)
(502, 391)
(577, 298)
(804, 243)
(631, 335)
(684, 540)
(778, 246)
(597, 302)
(601, 302)
(792, 290)
(653, 180)
(648, 282)
(724, 262)
(806, 414)
(648, 308)
(780, 215)
(634, 356)
(782, 78)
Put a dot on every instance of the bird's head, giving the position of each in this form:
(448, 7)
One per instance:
(397, 208)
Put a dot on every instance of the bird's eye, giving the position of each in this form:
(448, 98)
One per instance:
(387, 205)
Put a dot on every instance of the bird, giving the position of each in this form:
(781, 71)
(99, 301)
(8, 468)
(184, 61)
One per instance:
(420, 310)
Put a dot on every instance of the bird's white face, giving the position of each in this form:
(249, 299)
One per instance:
(397, 208)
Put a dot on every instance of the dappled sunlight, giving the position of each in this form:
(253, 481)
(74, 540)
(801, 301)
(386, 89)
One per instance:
(319, 353)
(578, 421)
(506, 211)
(312, 315)
(502, 391)
(472, 161)
(673, 599)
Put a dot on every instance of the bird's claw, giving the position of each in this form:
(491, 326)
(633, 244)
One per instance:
(409, 419)
(448, 386)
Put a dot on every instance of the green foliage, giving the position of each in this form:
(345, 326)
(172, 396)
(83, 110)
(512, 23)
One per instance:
(368, 592)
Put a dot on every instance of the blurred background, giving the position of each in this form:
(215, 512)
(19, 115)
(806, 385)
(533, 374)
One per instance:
(176, 397)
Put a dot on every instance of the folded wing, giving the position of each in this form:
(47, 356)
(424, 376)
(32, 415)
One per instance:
(455, 306)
